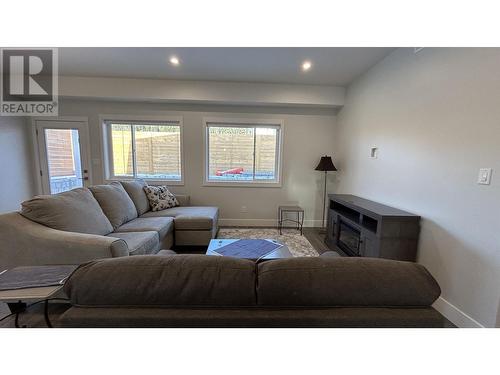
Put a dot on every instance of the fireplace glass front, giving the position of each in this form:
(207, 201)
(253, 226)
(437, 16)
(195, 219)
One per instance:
(349, 239)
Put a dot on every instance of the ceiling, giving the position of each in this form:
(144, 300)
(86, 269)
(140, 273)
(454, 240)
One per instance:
(330, 66)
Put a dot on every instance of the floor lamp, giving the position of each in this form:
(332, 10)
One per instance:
(325, 165)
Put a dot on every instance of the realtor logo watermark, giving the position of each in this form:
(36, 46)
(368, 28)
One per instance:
(29, 85)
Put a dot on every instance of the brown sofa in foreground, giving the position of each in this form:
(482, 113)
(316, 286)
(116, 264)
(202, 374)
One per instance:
(211, 291)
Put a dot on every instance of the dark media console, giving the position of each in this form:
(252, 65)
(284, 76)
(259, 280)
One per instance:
(359, 227)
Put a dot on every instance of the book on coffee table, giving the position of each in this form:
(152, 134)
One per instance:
(250, 249)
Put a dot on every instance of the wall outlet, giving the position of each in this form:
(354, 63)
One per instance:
(484, 177)
(243, 209)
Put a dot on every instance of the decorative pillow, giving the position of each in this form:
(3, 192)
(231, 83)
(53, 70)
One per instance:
(160, 198)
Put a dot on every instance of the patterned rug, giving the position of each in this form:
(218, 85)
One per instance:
(298, 245)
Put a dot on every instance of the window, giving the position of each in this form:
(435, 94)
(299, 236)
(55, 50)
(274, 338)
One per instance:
(243, 153)
(142, 149)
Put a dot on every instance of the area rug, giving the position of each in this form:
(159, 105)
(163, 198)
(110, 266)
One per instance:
(298, 245)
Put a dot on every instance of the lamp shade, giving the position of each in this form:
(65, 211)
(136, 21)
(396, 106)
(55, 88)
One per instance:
(325, 164)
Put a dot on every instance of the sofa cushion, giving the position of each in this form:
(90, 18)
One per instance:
(115, 202)
(161, 225)
(72, 211)
(344, 282)
(139, 242)
(156, 280)
(190, 218)
(184, 200)
(135, 190)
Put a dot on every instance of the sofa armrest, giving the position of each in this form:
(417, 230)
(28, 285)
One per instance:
(183, 199)
(24, 242)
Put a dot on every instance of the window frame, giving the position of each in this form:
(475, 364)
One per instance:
(244, 123)
(107, 151)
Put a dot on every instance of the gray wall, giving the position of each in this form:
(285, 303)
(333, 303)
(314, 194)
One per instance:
(16, 163)
(435, 117)
(16, 168)
(308, 134)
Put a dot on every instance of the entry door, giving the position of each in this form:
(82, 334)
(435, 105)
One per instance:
(63, 153)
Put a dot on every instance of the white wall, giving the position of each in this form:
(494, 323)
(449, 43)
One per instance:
(200, 92)
(308, 134)
(16, 163)
(435, 117)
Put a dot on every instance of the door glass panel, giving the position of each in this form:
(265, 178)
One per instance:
(63, 156)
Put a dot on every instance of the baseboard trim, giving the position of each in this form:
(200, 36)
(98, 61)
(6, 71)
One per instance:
(455, 315)
(262, 223)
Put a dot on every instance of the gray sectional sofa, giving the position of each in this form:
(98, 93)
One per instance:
(206, 291)
(103, 221)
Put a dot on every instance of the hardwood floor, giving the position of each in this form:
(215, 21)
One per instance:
(317, 239)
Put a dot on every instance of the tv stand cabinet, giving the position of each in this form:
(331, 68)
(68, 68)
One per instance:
(360, 227)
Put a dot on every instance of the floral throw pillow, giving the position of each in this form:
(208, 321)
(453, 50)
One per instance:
(160, 198)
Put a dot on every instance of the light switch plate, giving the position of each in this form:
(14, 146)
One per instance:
(484, 176)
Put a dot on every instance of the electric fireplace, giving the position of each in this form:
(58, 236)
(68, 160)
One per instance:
(358, 227)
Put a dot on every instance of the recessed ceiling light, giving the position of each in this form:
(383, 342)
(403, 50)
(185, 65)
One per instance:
(306, 65)
(174, 60)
